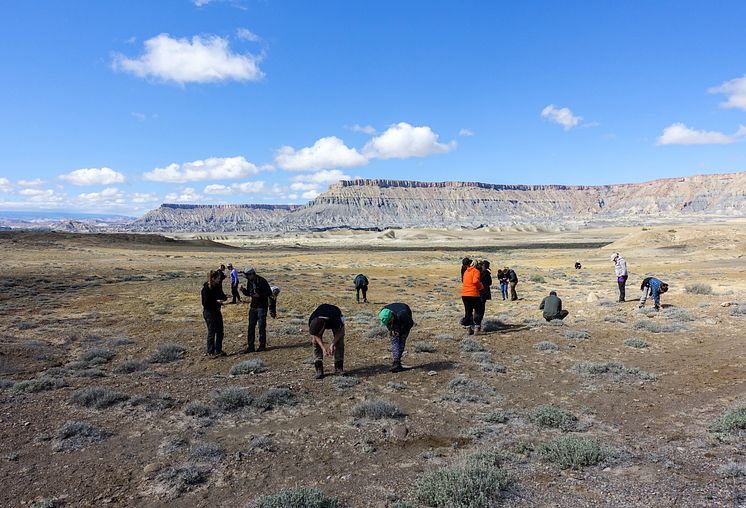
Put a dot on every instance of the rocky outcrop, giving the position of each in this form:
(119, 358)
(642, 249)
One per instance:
(212, 218)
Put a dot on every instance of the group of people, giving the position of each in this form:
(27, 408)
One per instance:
(476, 289)
(650, 287)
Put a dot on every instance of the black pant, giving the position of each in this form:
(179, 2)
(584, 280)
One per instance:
(472, 306)
(562, 315)
(257, 315)
(234, 292)
(214, 321)
(364, 289)
(622, 284)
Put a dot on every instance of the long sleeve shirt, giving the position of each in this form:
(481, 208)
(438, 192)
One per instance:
(234, 278)
(210, 297)
(402, 321)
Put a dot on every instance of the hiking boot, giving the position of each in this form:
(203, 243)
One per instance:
(261, 348)
(365, 300)
(477, 329)
(319, 370)
(471, 330)
(221, 353)
(396, 367)
(339, 368)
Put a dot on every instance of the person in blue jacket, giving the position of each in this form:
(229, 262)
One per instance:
(655, 287)
(397, 317)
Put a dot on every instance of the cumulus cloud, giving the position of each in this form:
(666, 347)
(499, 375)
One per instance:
(247, 35)
(560, 116)
(311, 194)
(214, 168)
(31, 183)
(206, 59)
(466, 133)
(43, 197)
(143, 197)
(185, 195)
(5, 185)
(402, 140)
(680, 134)
(323, 176)
(93, 176)
(735, 89)
(110, 195)
(326, 153)
(236, 188)
(364, 129)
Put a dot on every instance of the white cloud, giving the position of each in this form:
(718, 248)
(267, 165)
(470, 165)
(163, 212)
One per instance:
(42, 197)
(146, 197)
(402, 141)
(323, 176)
(247, 35)
(200, 3)
(561, 116)
(304, 186)
(329, 152)
(206, 59)
(141, 117)
(93, 176)
(236, 188)
(680, 134)
(364, 129)
(466, 133)
(185, 195)
(735, 89)
(5, 185)
(311, 194)
(31, 183)
(214, 168)
(110, 195)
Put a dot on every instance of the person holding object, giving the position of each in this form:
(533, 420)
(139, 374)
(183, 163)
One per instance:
(620, 270)
(327, 317)
(397, 318)
(212, 299)
(656, 287)
(552, 307)
(502, 277)
(258, 289)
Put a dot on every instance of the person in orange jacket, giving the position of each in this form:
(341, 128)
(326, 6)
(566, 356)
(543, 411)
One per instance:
(473, 304)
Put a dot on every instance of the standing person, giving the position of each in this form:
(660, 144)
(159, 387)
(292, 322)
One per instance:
(221, 270)
(465, 263)
(485, 277)
(620, 270)
(470, 288)
(327, 317)
(552, 307)
(656, 288)
(361, 284)
(513, 281)
(212, 298)
(397, 317)
(502, 276)
(258, 289)
(234, 283)
(273, 300)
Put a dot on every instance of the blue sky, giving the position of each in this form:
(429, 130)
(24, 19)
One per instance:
(118, 106)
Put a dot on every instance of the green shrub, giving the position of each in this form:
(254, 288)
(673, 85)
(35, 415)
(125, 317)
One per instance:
(254, 366)
(471, 345)
(496, 416)
(343, 382)
(377, 332)
(572, 452)
(546, 345)
(616, 370)
(75, 435)
(275, 397)
(303, 497)
(206, 452)
(130, 366)
(97, 397)
(464, 389)
(232, 399)
(552, 416)
(577, 334)
(614, 319)
(698, 289)
(536, 278)
(376, 409)
(733, 420)
(183, 478)
(96, 354)
(423, 347)
(654, 327)
(167, 353)
(678, 314)
(197, 408)
(41, 384)
(637, 343)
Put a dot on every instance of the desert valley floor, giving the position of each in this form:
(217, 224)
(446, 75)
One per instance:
(107, 397)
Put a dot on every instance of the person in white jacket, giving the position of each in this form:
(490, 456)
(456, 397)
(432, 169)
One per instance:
(620, 270)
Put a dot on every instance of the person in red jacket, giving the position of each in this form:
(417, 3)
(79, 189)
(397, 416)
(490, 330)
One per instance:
(470, 295)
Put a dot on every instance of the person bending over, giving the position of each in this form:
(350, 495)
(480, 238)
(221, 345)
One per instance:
(397, 317)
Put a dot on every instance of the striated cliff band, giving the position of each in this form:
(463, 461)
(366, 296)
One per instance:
(382, 204)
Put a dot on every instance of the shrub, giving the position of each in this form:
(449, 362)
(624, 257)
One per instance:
(482, 357)
(637, 343)
(497, 416)
(75, 435)
(130, 366)
(48, 502)
(678, 314)
(183, 478)
(576, 334)
(342, 382)
(197, 408)
(423, 347)
(492, 325)
(154, 402)
(536, 278)
(208, 452)
(254, 366)
(739, 310)
(614, 319)
(261, 443)
(475, 484)
(493, 368)
(393, 385)
(572, 452)
(653, 327)
(275, 397)
(698, 289)
(444, 336)
(733, 420)
(732, 470)
(552, 416)
(303, 497)
(41, 384)
(376, 409)
(96, 355)
(97, 397)
(616, 369)
(232, 399)
(463, 389)
(545, 345)
(377, 332)
(173, 444)
(6, 383)
(167, 353)
(471, 345)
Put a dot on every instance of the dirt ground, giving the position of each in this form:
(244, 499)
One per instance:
(63, 296)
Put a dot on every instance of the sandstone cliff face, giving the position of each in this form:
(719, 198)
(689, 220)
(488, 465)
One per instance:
(380, 204)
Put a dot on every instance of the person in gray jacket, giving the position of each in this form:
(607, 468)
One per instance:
(552, 307)
(620, 270)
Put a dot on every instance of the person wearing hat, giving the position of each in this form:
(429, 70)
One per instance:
(257, 288)
(273, 301)
(397, 317)
(234, 283)
(552, 307)
(655, 287)
(620, 270)
(327, 317)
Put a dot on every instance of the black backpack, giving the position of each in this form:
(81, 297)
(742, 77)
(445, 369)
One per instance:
(361, 280)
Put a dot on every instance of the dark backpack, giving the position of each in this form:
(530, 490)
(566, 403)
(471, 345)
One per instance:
(361, 280)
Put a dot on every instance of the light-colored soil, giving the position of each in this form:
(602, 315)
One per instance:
(62, 295)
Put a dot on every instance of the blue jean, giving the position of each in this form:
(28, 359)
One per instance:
(397, 346)
(504, 290)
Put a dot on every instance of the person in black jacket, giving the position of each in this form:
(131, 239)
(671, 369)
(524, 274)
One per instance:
(212, 298)
(361, 284)
(485, 276)
(513, 281)
(257, 288)
(397, 317)
(327, 317)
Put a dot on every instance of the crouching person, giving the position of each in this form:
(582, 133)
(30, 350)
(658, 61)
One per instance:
(327, 317)
(397, 317)
(552, 307)
(656, 287)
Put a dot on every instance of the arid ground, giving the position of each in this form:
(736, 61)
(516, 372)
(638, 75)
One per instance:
(93, 413)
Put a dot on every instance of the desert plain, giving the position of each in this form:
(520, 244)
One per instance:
(108, 398)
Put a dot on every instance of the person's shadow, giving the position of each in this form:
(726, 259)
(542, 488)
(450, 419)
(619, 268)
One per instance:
(383, 368)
